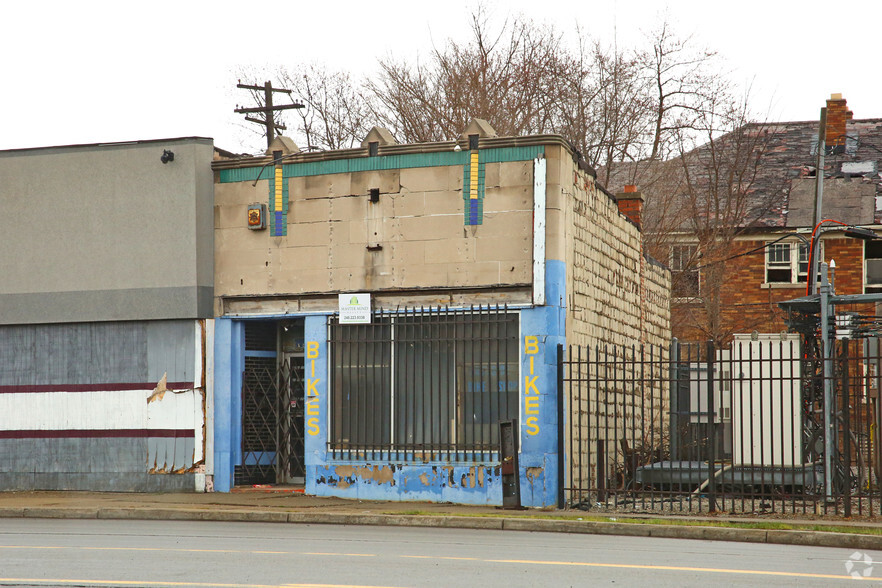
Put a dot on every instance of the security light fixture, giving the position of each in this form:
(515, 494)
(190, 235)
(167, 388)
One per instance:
(860, 233)
(167, 155)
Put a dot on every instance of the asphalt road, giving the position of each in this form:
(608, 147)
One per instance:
(106, 553)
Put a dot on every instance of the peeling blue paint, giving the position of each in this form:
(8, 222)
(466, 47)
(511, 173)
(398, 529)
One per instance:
(461, 484)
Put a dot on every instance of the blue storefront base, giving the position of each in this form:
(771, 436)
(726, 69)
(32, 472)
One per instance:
(441, 482)
(542, 329)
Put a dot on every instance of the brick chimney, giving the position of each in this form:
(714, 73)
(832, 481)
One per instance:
(631, 204)
(838, 115)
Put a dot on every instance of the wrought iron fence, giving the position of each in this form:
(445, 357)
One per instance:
(740, 430)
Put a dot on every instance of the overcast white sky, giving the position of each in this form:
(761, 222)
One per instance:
(90, 71)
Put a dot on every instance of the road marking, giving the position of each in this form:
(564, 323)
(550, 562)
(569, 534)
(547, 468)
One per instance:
(31, 547)
(674, 569)
(344, 554)
(503, 561)
(185, 550)
(441, 557)
(61, 581)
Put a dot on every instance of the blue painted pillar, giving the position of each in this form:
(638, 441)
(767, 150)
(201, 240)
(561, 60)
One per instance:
(543, 328)
(229, 364)
(315, 440)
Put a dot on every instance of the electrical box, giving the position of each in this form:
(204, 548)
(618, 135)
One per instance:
(766, 400)
(257, 216)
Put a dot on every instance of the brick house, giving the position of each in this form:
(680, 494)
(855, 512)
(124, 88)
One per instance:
(765, 263)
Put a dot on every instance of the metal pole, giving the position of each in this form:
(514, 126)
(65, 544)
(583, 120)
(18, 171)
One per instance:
(711, 428)
(826, 310)
(819, 198)
(561, 477)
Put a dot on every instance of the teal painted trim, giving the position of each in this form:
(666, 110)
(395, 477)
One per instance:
(385, 162)
(511, 154)
(242, 174)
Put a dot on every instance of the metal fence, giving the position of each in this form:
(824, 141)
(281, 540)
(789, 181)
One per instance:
(740, 430)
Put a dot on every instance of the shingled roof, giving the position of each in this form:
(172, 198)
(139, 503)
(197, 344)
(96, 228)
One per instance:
(784, 185)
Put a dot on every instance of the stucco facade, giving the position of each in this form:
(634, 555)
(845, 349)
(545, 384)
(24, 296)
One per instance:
(105, 316)
(516, 225)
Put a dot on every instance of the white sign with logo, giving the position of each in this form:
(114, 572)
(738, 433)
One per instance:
(355, 309)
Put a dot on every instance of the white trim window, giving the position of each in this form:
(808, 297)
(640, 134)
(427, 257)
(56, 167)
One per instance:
(685, 276)
(872, 267)
(786, 263)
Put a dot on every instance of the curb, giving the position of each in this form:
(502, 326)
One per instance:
(780, 537)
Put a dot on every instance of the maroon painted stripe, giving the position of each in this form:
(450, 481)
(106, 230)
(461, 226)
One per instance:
(117, 387)
(97, 433)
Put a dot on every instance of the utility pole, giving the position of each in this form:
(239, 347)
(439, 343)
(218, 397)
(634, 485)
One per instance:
(268, 109)
(819, 198)
(827, 313)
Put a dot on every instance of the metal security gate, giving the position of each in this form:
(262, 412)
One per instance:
(272, 410)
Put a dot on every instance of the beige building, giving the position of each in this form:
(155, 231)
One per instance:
(470, 260)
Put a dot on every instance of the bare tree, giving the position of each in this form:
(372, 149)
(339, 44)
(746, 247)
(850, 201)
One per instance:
(605, 108)
(710, 197)
(682, 78)
(336, 113)
(512, 77)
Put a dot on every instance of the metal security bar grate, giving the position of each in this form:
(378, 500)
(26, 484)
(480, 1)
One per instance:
(423, 384)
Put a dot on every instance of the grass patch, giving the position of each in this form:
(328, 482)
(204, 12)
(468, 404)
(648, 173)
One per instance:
(728, 524)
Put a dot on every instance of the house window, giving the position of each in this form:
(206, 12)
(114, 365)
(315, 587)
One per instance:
(685, 277)
(786, 263)
(873, 267)
(423, 384)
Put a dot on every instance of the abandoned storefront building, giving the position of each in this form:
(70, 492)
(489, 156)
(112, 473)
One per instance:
(380, 311)
(105, 316)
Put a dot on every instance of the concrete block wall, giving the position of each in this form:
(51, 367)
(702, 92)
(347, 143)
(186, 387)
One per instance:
(599, 287)
(615, 295)
(618, 301)
(414, 237)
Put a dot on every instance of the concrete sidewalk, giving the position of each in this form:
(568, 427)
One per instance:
(287, 505)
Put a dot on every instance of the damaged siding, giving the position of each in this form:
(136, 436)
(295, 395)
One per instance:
(102, 406)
